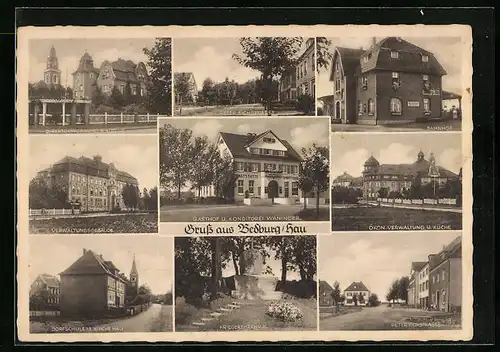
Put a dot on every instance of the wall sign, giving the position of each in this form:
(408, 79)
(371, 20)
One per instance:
(413, 104)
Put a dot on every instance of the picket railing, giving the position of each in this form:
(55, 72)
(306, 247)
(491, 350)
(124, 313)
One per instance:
(121, 118)
(427, 201)
(40, 212)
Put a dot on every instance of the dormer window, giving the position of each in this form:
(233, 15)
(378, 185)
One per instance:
(425, 58)
(269, 140)
(254, 151)
(394, 55)
(365, 58)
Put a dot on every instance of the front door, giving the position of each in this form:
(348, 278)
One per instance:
(287, 192)
(117, 301)
(272, 189)
(438, 300)
(337, 110)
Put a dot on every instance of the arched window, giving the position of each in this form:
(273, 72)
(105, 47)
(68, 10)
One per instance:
(371, 106)
(396, 106)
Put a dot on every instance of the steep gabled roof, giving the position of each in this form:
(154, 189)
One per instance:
(349, 59)
(357, 286)
(325, 286)
(419, 167)
(49, 280)
(344, 177)
(417, 266)
(237, 145)
(91, 263)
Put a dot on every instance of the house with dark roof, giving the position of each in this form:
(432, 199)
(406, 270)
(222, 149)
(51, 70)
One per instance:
(356, 294)
(325, 294)
(46, 288)
(267, 166)
(90, 182)
(392, 81)
(127, 76)
(445, 276)
(346, 180)
(91, 286)
(192, 92)
(400, 177)
(414, 283)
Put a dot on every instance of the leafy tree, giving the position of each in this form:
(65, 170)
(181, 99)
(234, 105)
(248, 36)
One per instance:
(127, 95)
(225, 177)
(176, 155)
(116, 99)
(153, 199)
(323, 54)
(98, 97)
(131, 196)
(355, 299)
(393, 293)
(404, 282)
(204, 154)
(361, 298)
(41, 195)
(145, 198)
(283, 249)
(208, 92)
(182, 89)
(316, 167)
(383, 192)
(336, 295)
(168, 299)
(159, 97)
(271, 56)
(305, 104)
(304, 256)
(306, 186)
(373, 300)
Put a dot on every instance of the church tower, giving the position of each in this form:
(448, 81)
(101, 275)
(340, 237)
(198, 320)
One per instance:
(52, 73)
(134, 275)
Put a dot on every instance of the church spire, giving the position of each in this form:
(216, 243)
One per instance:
(133, 271)
(420, 156)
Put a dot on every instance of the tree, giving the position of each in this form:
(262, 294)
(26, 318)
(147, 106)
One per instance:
(271, 56)
(130, 196)
(393, 293)
(316, 167)
(383, 192)
(146, 198)
(336, 295)
(361, 298)
(355, 299)
(176, 155)
(153, 199)
(208, 92)
(373, 300)
(283, 249)
(404, 282)
(304, 256)
(98, 97)
(116, 99)
(204, 154)
(182, 89)
(306, 186)
(159, 97)
(225, 177)
(128, 98)
(323, 54)
(42, 195)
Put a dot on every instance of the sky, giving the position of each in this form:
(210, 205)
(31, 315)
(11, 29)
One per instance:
(304, 133)
(376, 259)
(135, 154)
(153, 256)
(350, 151)
(69, 52)
(447, 51)
(210, 57)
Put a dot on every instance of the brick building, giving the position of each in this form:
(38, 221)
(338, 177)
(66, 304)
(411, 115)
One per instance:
(325, 294)
(91, 286)
(94, 184)
(127, 76)
(46, 287)
(400, 177)
(264, 162)
(446, 277)
(392, 81)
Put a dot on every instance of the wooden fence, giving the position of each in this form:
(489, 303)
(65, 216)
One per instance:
(427, 201)
(40, 212)
(134, 310)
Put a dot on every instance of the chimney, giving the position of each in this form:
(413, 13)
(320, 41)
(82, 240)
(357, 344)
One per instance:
(98, 159)
(84, 251)
(374, 40)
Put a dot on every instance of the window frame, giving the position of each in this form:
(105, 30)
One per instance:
(394, 112)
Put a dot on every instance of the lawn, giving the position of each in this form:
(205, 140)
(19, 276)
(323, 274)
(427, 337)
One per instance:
(130, 223)
(328, 312)
(309, 214)
(366, 218)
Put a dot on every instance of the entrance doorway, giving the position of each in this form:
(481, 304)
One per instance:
(272, 189)
(337, 110)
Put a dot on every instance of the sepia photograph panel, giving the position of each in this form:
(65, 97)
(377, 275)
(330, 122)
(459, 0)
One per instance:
(100, 284)
(389, 281)
(93, 184)
(244, 76)
(226, 170)
(396, 182)
(89, 85)
(390, 83)
(245, 283)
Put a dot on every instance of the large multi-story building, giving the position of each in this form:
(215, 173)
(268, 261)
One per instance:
(445, 273)
(400, 177)
(392, 81)
(94, 184)
(287, 86)
(414, 283)
(125, 75)
(423, 286)
(346, 180)
(356, 294)
(267, 166)
(91, 286)
(47, 288)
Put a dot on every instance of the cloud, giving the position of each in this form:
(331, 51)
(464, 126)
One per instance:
(244, 128)
(209, 128)
(306, 136)
(208, 62)
(350, 162)
(450, 159)
(397, 153)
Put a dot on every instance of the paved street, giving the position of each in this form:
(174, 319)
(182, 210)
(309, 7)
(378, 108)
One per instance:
(386, 318)
(275, 212)
(141, 322)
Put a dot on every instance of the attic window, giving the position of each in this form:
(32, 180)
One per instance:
(425, 58)
(365, 58)
(425, 77)
(394, 55)
(269, 140)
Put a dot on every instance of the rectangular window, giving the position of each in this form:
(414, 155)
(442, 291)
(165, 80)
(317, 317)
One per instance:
(255, 167)
(427, 105)
(258, 191)
(240, 166)
(425, 77)
(395, 75)
(251, 186)
(295, 188)
(360, 107)
(444, 275)
(394, 55)
(425, 58)
(240, 186)
(364, 82)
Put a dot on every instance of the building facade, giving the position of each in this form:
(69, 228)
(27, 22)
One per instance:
(346, 180)
(325, 294)
(267, 166)
(91, 286)
(356, 294)
(392, 81)
(423, 287)
(125, 75)
(287, 87)
(192, 91)
(414, 284)
(47, 287)
(446, 278)
(400, 177)
(305, 70)
(94, 184)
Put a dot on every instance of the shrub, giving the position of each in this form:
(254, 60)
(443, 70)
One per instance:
(336, 121)
(305, 104)
(184, 312)
(320, 111)
(284, 311)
